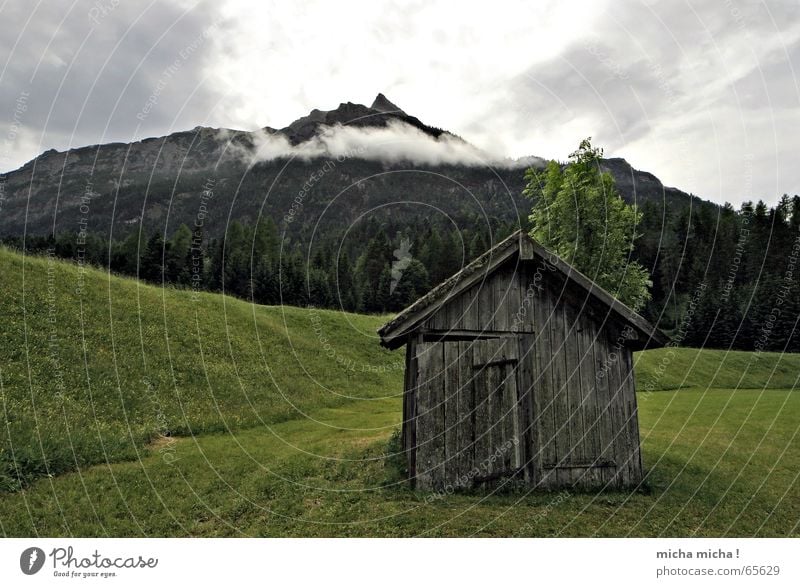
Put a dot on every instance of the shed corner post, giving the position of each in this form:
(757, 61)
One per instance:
(637, 439)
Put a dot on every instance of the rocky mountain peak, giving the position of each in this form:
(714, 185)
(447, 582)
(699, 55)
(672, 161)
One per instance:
(382, 104)
(379, 114)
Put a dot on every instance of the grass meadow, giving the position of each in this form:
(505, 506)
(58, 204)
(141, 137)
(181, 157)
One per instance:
(132, 410)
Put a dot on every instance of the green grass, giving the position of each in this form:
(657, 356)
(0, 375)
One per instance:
(722, 459)
(676, 368)
(94, 367)
(733, 477)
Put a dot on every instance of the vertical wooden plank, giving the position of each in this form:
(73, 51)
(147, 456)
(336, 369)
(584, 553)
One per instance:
(432, 321)
(416, 341)
(408, 398)
(575, 454)
(501, 411)
(510, 418)
(563, 442)
(486, 305)
(592, 478)
(502, 301)
(482, 409)
(470, 319)
(455, 313)
(604, 398)
(466, 404)
(406, 395)
(527, 298)
(438, 415)
(516, 319)
(424, 459)
(618, 416)
(628, 423)
(451, 413)
(575, 423)
(430, 417)
(628, 415)
(636, 438)
(526, 453)
(428, 322)
(494, 393)
(439, 319)
(581, 393)
(545, 421)
(463, 303)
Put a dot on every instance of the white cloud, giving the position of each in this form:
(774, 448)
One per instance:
(397, 142)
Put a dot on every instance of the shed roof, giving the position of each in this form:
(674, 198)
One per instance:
(394, 332)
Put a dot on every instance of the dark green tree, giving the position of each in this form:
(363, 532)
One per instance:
(152, 262)
(175, 259)
(371, 265)
(412, 284)
(345, 290)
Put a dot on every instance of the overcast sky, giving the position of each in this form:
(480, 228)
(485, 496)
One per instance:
(704, 94)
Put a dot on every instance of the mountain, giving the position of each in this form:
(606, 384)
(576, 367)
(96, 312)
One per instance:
(643, 186)
(327, 169)
(381, 113)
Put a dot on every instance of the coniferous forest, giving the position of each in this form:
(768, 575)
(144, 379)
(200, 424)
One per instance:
(722, 278)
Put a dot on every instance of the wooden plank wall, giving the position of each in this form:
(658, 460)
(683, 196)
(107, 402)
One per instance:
(489, 305)
(583, 406)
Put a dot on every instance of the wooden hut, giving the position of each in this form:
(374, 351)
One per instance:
(520, 366)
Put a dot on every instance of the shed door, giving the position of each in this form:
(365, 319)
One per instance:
(497, 436)
(467, 426)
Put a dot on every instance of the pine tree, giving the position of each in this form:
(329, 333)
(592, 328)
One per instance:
(175, 261)
(371, 265)
(382, 299)
(236, 263)
(152, 264)
(125, 254)
(318, 290)
(346, 294)
(265, 286)
(413, 284)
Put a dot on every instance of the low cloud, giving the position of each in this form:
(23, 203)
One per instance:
(397, 142)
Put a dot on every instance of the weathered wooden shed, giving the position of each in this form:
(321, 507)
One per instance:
(520, 366)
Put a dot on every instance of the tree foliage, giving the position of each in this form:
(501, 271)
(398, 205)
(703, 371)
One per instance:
(579, 215)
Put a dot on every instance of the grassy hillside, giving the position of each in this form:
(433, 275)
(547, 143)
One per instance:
(279, 420)
(94, 367)
(676, 368)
